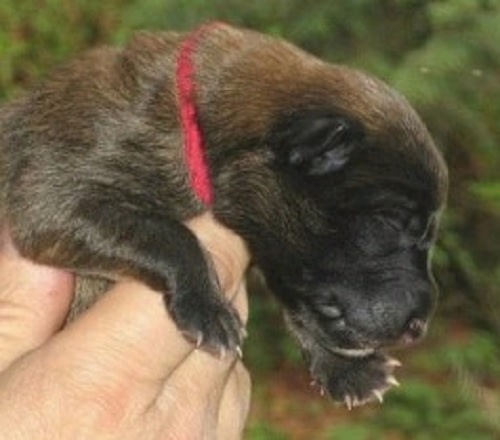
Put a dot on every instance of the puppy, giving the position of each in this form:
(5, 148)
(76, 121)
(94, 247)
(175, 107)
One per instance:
(328, 175)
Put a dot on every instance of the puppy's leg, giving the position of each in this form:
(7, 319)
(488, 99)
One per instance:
(103, 239)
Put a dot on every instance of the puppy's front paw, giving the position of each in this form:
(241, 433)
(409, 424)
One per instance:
(357, 380)
(210, 322)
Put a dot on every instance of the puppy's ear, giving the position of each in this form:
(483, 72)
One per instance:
(315, 143)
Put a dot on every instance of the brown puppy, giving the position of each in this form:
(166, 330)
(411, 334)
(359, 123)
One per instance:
(329, 176)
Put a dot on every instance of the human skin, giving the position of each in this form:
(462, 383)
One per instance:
(121, 370)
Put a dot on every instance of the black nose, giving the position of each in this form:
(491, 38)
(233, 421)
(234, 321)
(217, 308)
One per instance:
(414, 330)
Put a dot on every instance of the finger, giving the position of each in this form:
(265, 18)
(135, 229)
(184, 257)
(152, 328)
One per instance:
(234, 405)
(198, 384)
(127, 335)
(34, 301)
(128, 338)
(191, 399)
(227, 250)
(194, 390)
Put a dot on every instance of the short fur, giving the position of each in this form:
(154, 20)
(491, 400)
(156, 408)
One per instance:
(329, 176)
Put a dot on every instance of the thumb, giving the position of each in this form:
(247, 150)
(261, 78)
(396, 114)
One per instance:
(34, 301)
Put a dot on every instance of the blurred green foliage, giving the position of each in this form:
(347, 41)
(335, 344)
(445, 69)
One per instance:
(444, 55)
(265, 431)
(420, 412)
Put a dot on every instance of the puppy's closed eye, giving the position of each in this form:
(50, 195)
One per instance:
(397, 218)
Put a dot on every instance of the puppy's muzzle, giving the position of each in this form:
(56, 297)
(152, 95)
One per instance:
(415, 329)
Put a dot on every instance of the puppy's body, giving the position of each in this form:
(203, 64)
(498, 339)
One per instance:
(328, 175)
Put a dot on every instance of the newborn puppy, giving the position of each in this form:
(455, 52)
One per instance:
(328, 175)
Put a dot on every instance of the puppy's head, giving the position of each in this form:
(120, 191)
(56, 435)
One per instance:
(344, 209)
(375, 185)
(338, 197)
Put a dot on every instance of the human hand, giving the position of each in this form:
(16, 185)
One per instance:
(121, 370)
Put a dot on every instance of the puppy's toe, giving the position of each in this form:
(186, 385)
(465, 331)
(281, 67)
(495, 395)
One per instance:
(355, 381)
(213, 326)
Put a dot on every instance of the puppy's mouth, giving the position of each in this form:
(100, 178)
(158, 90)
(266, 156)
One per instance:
(366, 348)
(308, 341)
(348, 341)
(351, 352)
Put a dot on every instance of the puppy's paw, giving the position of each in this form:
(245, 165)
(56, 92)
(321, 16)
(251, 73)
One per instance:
(357, 380)
(210, 322)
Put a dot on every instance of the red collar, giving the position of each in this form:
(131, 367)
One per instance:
(194, 150)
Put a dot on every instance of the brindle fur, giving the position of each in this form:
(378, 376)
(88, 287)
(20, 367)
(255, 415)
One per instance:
(328, 174)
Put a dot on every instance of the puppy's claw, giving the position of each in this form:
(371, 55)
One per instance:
(391, 380)
(243, 333)
(199, 340)
(239, 352)
(322, 391)
(379, 395)
(348, 402)
(393, 363)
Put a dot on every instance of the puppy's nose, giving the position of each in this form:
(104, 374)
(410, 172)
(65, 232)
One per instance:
(414, 330)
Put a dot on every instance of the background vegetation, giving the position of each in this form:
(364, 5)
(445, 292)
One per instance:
(445, 56)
